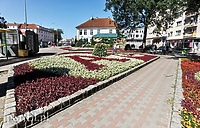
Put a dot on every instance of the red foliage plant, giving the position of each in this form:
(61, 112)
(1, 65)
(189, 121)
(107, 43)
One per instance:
(190, 86)
(145, 58)
(88, 64)
(42, 91)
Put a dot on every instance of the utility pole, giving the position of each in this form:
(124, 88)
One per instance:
(25, 15)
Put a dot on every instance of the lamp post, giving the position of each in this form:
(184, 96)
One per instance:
(25, 15)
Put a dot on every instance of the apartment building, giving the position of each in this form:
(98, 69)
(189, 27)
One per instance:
(134, 37)
(44, 34)
(175, 32)
(185, 32)
(96, 27)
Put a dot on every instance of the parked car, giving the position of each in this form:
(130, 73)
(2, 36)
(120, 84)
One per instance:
(150, 49)
(160, 49)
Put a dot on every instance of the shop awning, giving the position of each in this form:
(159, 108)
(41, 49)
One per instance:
(105, 35)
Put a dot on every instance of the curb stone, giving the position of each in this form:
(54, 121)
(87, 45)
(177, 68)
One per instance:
(36, 116)
(178, 96)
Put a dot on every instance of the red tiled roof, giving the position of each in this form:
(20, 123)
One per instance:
(97, 22)
(29, 26)
(12, 24)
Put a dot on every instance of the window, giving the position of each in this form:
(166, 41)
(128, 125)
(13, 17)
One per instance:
(179, 23)
(178, 33)
(98, 31)
(170, 34)
(110, 30)
(193, 19)
(80, 32)
(137, 35)
(91, 31)
(85, 32)
(136, 31)
(171, 26)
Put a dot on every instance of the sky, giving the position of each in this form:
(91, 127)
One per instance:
(57, 14)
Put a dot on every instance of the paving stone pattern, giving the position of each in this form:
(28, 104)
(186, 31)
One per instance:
(3, 81)
(140, 100)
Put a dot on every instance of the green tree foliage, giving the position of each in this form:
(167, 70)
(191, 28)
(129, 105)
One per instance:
(2, 22)
(57, 34)
(80, 42)
(192, 5)
(129, 14)
(100, 50)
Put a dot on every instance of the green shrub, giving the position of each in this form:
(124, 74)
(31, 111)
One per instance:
(99, 50)
(89, 46)
(79, 44)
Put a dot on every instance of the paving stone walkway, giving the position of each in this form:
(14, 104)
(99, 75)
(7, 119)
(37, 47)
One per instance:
(3, 82)
(141, 100)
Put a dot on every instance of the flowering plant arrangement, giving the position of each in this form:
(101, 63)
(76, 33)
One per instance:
(189, 120)
(191, 93)
(42, 81)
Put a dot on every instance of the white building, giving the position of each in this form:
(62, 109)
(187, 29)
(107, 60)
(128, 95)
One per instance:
(13, 25)
(134, 37)
(95, 26)
(185, 32)
(44, 34)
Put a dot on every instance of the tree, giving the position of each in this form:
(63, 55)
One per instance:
(2, 22)
(57, 34)
(192, 5)
(130, 14)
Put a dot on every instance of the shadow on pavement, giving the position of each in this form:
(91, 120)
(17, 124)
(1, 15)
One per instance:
(3, 89)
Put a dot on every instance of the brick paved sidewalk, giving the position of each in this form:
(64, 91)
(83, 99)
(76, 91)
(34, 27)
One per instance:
(3, 80)
(140, 100)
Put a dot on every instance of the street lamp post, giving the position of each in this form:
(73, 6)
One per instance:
(25, 14)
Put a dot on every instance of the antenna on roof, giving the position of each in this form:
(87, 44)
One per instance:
(91, 18)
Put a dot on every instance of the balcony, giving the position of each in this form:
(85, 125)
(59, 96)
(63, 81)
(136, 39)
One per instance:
(190, 34)
(189, 25)
(190, 14)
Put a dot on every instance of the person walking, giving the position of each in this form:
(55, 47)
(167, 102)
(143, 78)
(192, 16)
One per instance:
(164, 49)
(114, 48)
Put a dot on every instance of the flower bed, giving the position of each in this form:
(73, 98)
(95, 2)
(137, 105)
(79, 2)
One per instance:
(191, 92)
(42, 81)
(69, 48)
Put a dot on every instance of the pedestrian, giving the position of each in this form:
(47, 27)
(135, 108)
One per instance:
(41, 44)
(164, 49)
(114, 48)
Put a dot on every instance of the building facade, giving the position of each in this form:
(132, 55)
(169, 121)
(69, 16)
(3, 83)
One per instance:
(13, 25)
(95, 26)
(134, 37)
(44, 34)
(185, 32)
